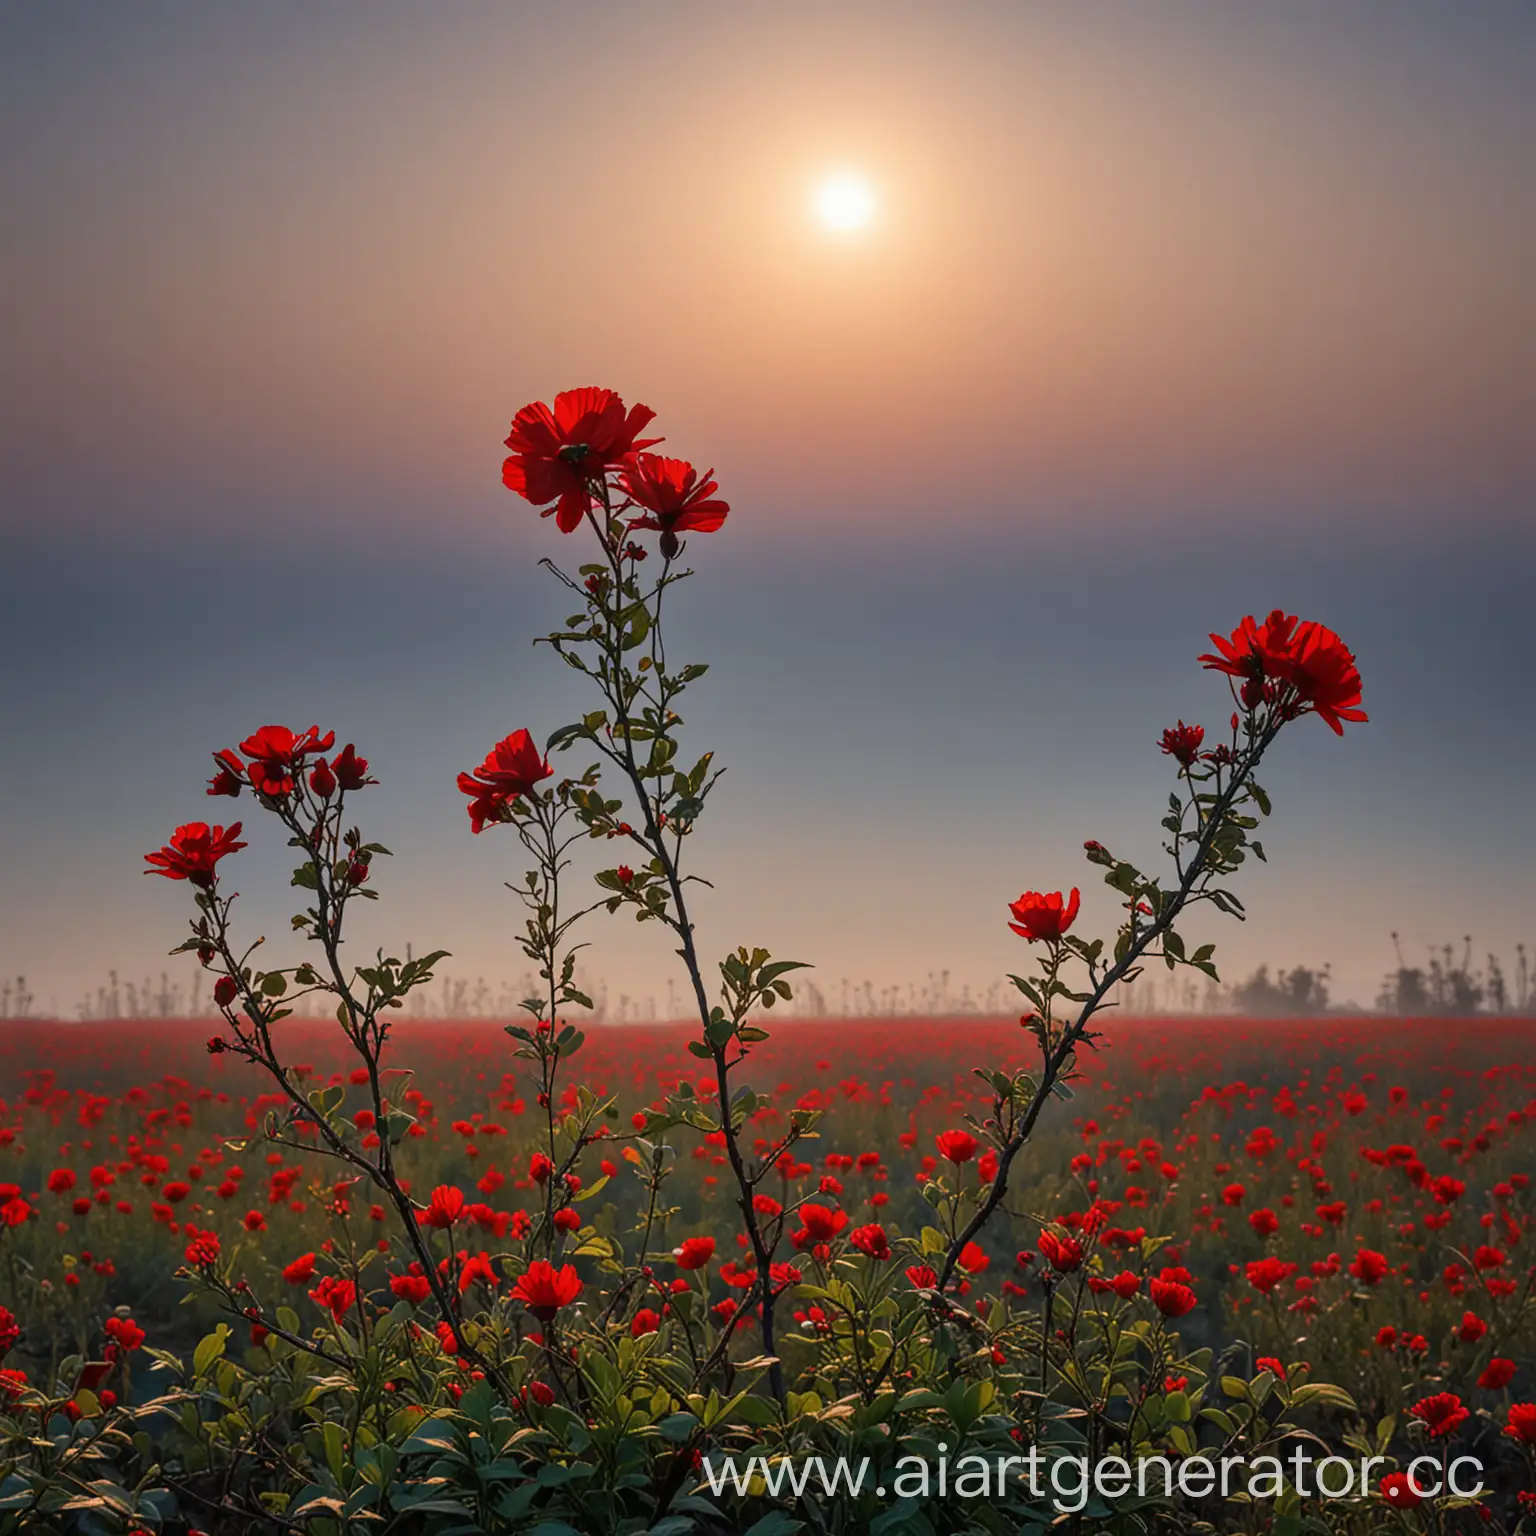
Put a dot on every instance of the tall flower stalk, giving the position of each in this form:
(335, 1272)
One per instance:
(583, 454)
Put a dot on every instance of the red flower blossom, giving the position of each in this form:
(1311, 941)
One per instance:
(1183, 742)
(1266, 1273)
(1472, 1328)
(301, 1271)
(412, 1288)
(957, 1146)
(1170, 1298)
(1324, 675)
(1440, 1414)
(203, 1250)
(676, 496)
(1044, 916)
(1521, 1424)
(1275, 1367)
(123, 1332)
(335, 1294)
(1264, 1222)
(230, 777)
(1369, 1267)
(694, 1252)
(511, 769)
(351, 770)
(545, 1289)
(277, 757)
(1254, 651)
(445, 1207)
(193, 851)
(922, 1277)
(61, 1181)
(974, 1258)
(557, 454)
(1063, 1254)
(1497, 1374)
(1314, 669)
(821, 1223)
(871, 1240)
(10, 1329)
(1398, 1490)
(645, 1321)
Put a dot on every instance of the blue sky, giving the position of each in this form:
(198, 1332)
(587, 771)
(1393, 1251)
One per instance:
(1159, 322)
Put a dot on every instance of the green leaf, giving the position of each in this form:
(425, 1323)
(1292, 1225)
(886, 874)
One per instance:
(209, 1348)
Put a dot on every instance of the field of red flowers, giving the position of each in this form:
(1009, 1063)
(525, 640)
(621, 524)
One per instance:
(1351, 1195)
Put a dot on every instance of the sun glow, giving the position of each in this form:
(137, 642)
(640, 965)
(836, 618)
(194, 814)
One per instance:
(845, 202)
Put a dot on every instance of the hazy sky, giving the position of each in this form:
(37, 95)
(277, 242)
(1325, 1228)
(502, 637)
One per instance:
(1167, 313)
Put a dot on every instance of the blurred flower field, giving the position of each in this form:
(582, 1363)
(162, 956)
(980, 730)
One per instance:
(1352, 1195)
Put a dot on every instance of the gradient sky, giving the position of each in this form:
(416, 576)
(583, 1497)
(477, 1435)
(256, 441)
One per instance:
(1167, 314)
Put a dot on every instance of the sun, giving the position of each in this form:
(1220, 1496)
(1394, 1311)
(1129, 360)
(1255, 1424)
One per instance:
(845, 202)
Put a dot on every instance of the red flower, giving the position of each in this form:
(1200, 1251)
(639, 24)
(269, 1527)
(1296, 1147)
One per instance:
(922, 1277)
(1272, 1365)
(1183, 742)
(225, 990)
(193, 851)
(557, 454)
(351, 770)
(412, 1288)
(1264, 1222)
(203, 1250)
(1472, 1328)
(1398, 1490)
(1522, 1423)
(1063, 1254)
(301, 1271)
(1266, 1273)
(676, 496)
(512, 769)
(61, 1181)
(1314, 669)
(123, 1332)
(645, 1321)
(694, 1252)
(445, 1207)
(871, 1240)
(335, 1294)
(821, 1223)
(1440, 1414)
(1324, 675)
(1170, 1298)
(1254, 651)
(1497, 1374)
(277, 757)
(974, 1258)
(1044, 916)
(10, 1329)
(230, 777)
(1369, 1267)
(544, 1289)
(957, 1146)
